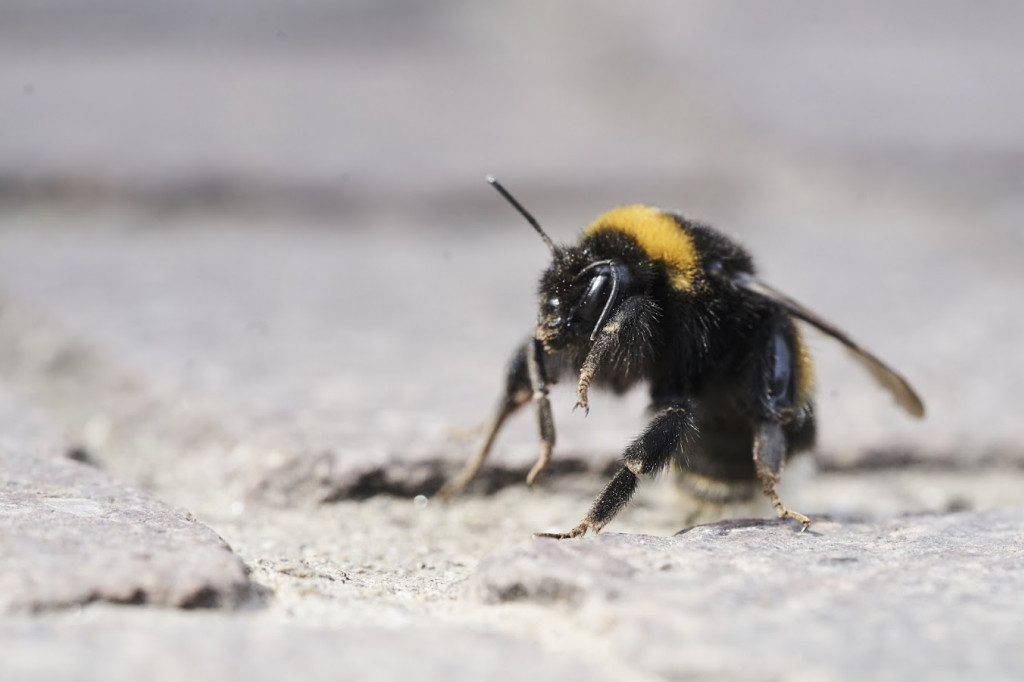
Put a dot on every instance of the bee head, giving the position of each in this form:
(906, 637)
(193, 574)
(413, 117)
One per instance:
(578, 295)
(578, 291)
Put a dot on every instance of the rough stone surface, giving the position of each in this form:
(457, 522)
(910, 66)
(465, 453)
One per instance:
(756, 600)
(167, 647)
(69, 535)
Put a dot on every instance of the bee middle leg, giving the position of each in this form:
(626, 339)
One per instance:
(669, 431)
(537, 373)
(769, 455)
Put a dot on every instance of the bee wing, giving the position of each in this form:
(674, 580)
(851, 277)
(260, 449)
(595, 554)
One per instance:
(886, 376)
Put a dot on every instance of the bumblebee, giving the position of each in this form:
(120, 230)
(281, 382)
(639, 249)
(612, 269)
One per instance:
(650, 296)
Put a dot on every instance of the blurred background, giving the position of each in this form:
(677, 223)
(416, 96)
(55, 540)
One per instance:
(251, 242)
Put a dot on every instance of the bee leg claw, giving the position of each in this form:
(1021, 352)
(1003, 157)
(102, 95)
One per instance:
(582, 389)
(805, 522)
(576, 532)
(787, 513)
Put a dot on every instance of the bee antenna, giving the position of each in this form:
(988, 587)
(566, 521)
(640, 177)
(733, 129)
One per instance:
(526, 214)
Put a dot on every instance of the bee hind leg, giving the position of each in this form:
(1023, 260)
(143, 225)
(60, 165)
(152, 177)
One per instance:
(769, 454)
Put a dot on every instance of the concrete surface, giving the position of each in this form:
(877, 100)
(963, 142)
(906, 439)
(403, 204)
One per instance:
(249, 268)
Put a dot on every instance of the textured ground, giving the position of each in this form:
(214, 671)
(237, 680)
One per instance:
(254, 295)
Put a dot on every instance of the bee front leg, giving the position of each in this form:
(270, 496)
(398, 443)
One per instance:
(628, 328)
(595, 356)
(670, 430)
(769, 454)
(517, 393)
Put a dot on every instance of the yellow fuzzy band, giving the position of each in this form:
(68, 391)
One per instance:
(659, 235)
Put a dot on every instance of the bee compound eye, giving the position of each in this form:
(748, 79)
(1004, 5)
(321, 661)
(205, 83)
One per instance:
(594, 298)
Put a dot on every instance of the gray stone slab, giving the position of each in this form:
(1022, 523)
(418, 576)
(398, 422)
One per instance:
(936, 597)
(70, 535)
(115, 648)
